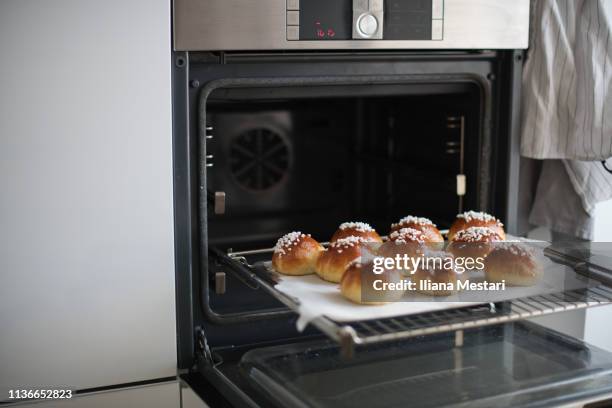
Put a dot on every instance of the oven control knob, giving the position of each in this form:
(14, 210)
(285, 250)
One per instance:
(367, 25)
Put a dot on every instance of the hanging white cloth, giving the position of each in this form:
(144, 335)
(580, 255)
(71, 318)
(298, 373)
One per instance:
(567, 82)
(567, 111)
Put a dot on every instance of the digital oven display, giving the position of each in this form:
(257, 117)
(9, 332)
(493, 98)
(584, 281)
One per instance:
(326, 19)
(329, 20)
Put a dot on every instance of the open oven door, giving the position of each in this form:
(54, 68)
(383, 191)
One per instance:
(520, 364)
(485, 364)
(513, 365)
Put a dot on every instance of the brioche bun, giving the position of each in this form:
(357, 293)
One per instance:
(296, 254)
(513, 263)
(357, 285)
(473, 242)
(429, 229)
(476, 219)
(336, 259)
(356, 229)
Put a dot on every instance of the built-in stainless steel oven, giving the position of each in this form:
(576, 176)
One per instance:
(302, 114)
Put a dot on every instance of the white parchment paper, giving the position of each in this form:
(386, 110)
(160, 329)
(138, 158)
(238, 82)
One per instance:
(320, 298)
(317, 297)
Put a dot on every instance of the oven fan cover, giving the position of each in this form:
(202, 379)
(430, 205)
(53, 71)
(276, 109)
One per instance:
(260, 158)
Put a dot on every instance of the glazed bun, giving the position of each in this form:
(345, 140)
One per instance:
(514, 263)
(296, 254)
(356, 229)
(406, 241)
(476, 219)
(335, 260)
(424, 225)
(473, 242)
(357, 285)
(434, 271)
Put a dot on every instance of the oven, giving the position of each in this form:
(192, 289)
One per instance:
(302, 114)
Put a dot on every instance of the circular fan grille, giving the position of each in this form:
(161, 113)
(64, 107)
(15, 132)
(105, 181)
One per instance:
(259, 159)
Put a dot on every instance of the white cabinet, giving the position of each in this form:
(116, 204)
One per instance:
(86, 209)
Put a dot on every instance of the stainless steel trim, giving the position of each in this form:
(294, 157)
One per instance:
(293, 4)
(362, 5)
(437, 9)
(437, 30)
(228, 25)
(293, 33)
(368, 15)
(293, 18)
(377, 5)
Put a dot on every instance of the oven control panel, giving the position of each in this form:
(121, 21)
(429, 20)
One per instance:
(269, 25)
(325, 20)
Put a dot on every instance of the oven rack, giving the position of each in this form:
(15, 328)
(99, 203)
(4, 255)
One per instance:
(349, 335)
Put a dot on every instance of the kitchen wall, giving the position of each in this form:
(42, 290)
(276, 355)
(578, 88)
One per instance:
(603, 221)
(597, 322)
(592, 324)
(86, 212)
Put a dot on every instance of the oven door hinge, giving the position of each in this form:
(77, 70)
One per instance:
(202, 349)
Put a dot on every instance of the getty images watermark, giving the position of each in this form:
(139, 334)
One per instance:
(432, 272)
(479, 272)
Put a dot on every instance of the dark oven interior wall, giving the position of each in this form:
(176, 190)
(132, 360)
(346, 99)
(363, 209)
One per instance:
(309, 164)
(197, 304)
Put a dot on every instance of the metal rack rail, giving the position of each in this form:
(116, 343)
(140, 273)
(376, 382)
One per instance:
(356, 333)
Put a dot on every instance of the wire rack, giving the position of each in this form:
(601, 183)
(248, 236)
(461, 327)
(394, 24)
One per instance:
(357, 333)
(367, 332)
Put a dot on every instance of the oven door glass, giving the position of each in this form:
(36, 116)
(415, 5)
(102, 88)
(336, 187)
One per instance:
(519, 364)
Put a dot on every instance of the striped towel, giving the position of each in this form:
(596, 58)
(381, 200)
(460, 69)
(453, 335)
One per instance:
(567, 110)
(567, 83)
